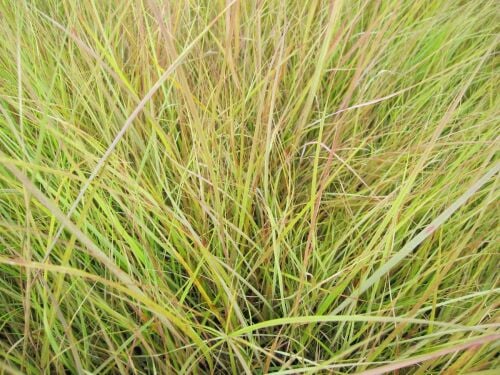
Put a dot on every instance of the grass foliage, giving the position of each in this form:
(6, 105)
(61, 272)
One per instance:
(261, 186)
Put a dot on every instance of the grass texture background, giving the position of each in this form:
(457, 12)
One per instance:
(249, 186)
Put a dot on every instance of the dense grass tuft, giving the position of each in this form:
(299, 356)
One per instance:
(261, 186)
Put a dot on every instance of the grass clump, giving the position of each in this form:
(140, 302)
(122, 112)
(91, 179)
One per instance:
(248, 186)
